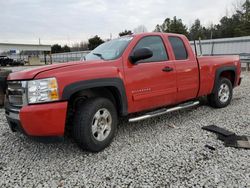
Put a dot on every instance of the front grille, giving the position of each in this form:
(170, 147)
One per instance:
(15, 93)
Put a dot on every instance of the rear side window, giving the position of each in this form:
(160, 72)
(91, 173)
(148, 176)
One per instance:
(155, 44)
(178, 47)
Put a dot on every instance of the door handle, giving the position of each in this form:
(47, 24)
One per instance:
(167, 69)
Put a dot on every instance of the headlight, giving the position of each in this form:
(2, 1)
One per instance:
(42, 90)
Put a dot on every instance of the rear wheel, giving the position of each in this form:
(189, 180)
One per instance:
(94, 123)
(222, 95)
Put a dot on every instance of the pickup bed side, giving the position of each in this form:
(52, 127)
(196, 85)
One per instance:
(214, 67)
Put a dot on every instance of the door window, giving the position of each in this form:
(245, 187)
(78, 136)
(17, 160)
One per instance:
(155, 44)
(178, 47)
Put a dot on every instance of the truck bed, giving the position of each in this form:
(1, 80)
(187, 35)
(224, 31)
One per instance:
(209, 65)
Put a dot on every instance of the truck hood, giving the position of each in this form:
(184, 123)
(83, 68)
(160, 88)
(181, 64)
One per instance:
(31, 73)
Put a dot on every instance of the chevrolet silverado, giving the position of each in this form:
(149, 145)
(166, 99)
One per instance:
(150, 73)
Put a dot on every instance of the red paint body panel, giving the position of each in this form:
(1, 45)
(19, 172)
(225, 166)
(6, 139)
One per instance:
(146, 85)
(208, 67)
(84, 71)
(30, 73)
(187, 73)
(44, 119)
(159, 88)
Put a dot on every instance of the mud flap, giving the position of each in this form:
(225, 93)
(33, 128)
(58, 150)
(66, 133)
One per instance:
(229, 138)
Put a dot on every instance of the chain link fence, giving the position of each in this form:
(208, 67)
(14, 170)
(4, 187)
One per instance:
(68, 56)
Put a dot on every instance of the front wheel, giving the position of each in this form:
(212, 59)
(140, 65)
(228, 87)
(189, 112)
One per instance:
(222, 95)
(95, 123)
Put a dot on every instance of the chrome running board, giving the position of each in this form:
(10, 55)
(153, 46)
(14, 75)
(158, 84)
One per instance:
(164, 111)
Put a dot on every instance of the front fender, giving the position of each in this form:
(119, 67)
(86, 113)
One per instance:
(75, 87)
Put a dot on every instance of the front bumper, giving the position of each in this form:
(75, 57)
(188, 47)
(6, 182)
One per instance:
(38, 120)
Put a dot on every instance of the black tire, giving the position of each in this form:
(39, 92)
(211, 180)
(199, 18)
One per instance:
(215, 100)
(84, 117)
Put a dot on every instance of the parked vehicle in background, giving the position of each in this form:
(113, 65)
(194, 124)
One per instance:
(4, 60)
(150, 73)
(17, 62)
(245, 59)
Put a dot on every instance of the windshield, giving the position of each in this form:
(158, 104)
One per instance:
(109, 50)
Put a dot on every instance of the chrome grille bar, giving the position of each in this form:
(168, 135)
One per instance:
(16, 93)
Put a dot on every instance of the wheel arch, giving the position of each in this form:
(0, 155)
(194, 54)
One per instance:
(112, 88)
(228, 72)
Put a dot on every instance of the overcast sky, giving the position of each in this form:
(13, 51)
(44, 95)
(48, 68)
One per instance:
(69, 21)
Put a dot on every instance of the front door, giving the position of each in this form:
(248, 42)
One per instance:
(150, 83)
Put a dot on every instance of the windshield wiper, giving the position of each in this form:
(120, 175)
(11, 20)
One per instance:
(99, 55)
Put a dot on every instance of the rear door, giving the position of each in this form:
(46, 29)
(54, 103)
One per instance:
(150, 83)
(186, 69)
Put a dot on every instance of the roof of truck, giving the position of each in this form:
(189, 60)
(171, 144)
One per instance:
(156, 33)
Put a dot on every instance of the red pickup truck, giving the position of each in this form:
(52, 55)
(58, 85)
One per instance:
(150, 73)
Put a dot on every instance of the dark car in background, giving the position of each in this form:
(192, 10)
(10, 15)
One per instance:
(17, 62)
(4, 60)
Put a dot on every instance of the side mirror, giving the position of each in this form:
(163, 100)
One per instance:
(140, 54)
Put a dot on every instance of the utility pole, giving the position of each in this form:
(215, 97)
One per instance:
(211, 43)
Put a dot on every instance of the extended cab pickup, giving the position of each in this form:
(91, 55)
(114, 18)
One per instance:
(151, 73)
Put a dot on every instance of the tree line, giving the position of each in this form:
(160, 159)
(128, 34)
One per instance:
(82, 46)
(236, 25)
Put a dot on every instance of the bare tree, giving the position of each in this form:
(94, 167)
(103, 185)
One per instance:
(237, 6)
(140, 29)
(82, 46)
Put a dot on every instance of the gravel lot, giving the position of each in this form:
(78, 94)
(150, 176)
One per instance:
(165, 151)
